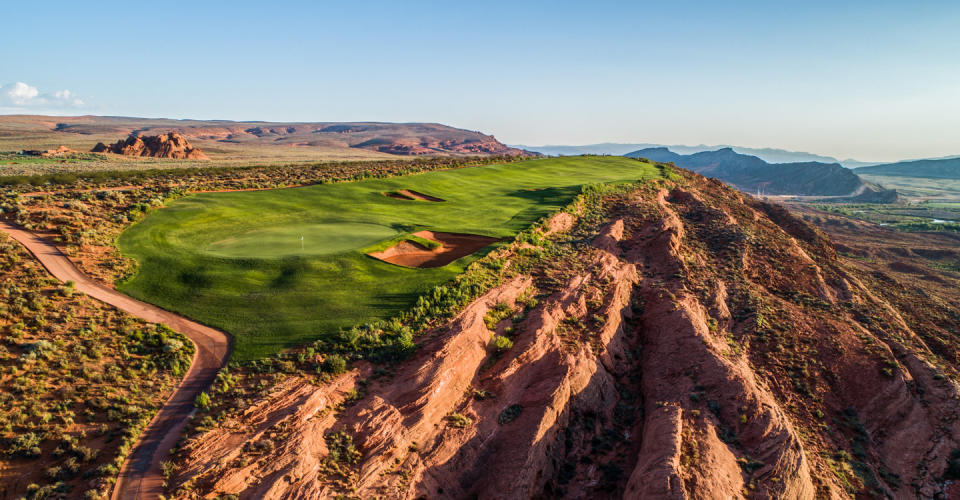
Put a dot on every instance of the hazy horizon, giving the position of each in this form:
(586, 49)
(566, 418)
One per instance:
(869, 81)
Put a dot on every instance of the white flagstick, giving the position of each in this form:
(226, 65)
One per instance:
(301, 242)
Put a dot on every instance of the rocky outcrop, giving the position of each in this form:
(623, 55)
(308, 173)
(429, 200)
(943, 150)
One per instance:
(60, 152)
(169, 145)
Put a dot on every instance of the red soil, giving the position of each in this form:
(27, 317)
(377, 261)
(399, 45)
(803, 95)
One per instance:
(452, 247)
(559, 223)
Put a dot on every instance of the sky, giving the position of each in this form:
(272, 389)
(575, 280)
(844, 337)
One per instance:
(873, 80)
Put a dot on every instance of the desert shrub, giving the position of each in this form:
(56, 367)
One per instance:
(480, 394)
(496, 314)
(509, 414)
(202, 401)
(459, 420)
(53, 473)
(108, 470)
(341, 448)
(25, 445)
(41, 349)
(501, 343)
(334, 364)
(225, 381)
(383, 341)
(168, 468)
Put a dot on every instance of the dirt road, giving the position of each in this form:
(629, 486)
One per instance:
(141, 476)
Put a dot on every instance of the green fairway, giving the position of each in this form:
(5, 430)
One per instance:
(236, 261)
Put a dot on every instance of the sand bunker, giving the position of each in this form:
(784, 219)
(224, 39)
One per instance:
(452, 247)
(406, 194)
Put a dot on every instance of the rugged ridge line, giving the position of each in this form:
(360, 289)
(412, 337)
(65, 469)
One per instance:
(686, 341)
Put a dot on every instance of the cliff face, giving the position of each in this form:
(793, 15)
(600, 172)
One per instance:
(169, 145)
(685, 343)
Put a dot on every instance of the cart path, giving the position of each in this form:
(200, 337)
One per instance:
(141, 475)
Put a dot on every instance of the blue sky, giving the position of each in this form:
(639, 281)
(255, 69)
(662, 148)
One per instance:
(871, 80)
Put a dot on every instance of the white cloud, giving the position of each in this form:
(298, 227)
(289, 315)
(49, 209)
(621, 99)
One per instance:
(22, 97)
(19, 94)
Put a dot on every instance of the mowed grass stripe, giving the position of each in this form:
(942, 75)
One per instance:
(234, 260)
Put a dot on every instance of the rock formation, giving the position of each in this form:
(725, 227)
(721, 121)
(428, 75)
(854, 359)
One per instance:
(169, 145)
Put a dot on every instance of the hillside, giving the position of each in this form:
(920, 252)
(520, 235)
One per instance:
(665, 340)
(930, 169)
(751, 174)
(246, 142)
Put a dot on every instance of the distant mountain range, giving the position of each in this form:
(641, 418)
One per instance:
(751, 174)
(770, 155)
(947, 168)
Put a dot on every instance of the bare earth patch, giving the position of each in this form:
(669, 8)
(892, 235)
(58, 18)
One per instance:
(407, 194)
(452, 247)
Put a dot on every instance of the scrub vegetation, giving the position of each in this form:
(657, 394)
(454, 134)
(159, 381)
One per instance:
(79, 381)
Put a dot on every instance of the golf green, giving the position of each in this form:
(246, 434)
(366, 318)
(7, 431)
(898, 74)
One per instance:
(301, 239)
(236, 260)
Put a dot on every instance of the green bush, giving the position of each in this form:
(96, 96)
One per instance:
(459, 420)
(203, 401)
(501, 343)
(25, 445)
(509, 414)
(342, 449)
(334, 364)
(496, 314)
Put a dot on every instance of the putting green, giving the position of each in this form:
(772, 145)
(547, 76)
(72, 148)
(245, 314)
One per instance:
(301, 239)
(233, 260)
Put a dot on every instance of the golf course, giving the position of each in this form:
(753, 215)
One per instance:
(284, 267)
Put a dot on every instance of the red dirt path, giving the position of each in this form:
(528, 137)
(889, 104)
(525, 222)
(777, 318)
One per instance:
(141, 476)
